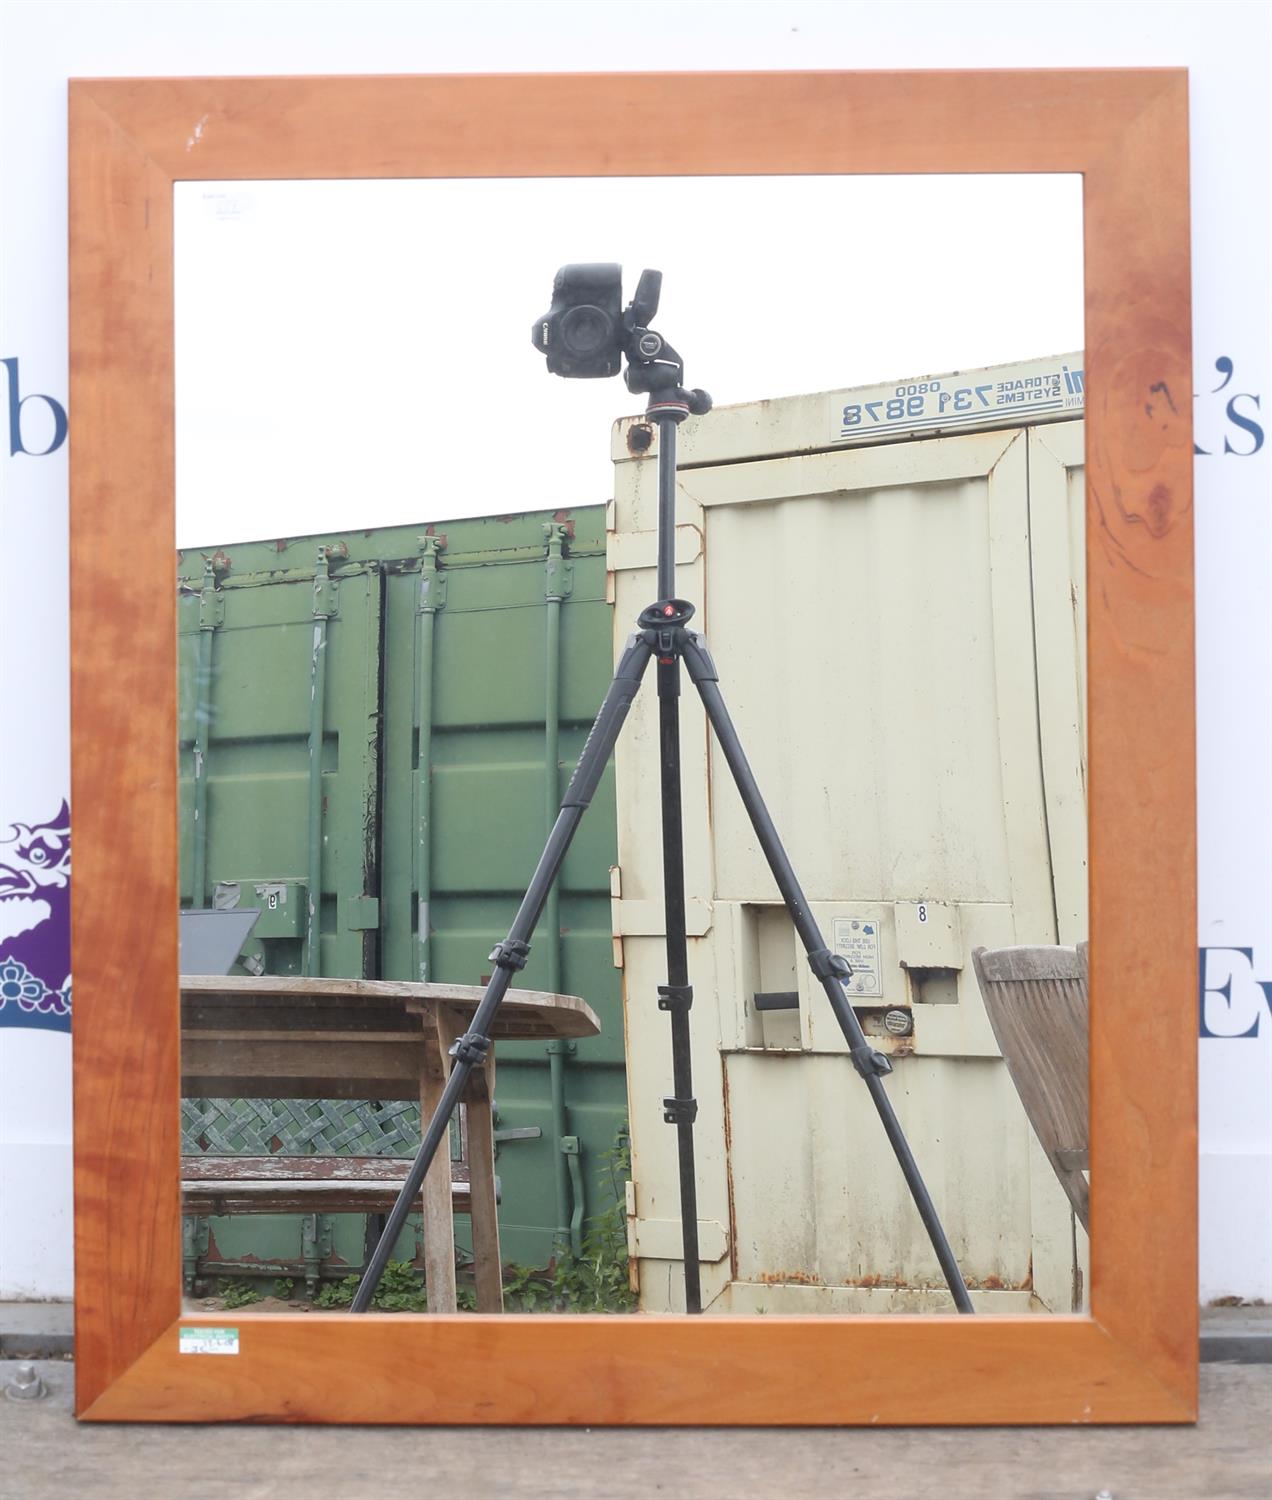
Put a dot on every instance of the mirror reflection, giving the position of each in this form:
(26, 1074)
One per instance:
(407, 559)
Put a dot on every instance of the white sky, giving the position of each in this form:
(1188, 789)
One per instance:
(357, 354)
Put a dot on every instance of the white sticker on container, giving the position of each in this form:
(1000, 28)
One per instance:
(857, 940)
(1040, 389)
(208, 1340)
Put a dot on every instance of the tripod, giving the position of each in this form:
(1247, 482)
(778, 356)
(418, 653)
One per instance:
(663, 634)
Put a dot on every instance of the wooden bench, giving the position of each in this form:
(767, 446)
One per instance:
(297, 1038)
(213, 1185)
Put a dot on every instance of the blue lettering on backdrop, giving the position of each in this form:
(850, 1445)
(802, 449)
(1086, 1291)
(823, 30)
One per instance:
(16, 402)
(1253, 428)
(1224, 367)
(1224, 1014)
(1243, 420)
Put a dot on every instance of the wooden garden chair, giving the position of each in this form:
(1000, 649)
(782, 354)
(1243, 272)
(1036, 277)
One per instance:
(1036, 999)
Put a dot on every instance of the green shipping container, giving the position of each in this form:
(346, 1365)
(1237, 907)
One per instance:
(445, 684)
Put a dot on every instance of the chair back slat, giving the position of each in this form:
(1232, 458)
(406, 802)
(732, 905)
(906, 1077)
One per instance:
(1036, 1000)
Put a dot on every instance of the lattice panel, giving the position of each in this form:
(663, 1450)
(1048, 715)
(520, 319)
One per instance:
(303, 1127)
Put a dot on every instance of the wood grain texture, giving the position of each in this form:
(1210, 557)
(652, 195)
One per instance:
(654, 1370)
(1135, 1359)
(213, 1185)
(303, 1004)
(1036, 1001)
(439, 1223)
(123, 762)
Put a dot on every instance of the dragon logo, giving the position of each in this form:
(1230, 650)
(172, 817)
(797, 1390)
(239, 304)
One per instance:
(35, 925)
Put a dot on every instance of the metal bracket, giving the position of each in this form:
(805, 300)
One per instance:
(828, 965)
(361, 913)
(558, 570)
(510, 954)
(211, 609)
(315, 1245)
(432, 596)
(675, 997)
(680, 1111)
(471, 1048)
(869, 1063)
(195, 1239)
(326, 589)
(211, 599)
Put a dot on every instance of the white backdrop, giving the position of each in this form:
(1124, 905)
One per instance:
(1226, 48)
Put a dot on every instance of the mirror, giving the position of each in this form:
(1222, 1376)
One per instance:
(139, 1349)
(353, 382)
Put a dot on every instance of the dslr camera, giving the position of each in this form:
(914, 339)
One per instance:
(587, 333)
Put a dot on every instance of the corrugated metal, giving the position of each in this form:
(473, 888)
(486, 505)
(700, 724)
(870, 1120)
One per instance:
(899, 635)
(249, 620)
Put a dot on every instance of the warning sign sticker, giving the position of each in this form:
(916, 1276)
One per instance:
(857, 940)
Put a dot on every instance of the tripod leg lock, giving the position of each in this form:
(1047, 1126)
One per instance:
(828, 965)
(471, 1048)
(868, 1062)
(510, 954)
(680, 1111)
(675, 997)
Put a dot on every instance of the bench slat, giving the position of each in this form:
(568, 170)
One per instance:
(213, 1185)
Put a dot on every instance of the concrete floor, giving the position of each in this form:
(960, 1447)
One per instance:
(1227, 1456)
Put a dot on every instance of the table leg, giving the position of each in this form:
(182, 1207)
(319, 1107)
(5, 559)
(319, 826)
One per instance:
(439, 1224)
(487, 1266)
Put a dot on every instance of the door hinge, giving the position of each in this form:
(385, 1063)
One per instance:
(559, 570)
(326, 589)
(432, 595)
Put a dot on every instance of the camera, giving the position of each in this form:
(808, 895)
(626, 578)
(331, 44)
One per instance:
(582, 332)
(586, 333)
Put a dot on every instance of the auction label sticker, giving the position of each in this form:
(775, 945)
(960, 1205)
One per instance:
(208, 1340)
(857, 940)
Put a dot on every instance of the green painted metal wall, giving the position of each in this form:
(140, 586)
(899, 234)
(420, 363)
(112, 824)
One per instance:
(389, 630)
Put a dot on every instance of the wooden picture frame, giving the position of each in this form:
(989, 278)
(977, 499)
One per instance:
(1134, 1358)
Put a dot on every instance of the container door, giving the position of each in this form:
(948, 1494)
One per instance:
(872, 616)
(1057, 543)
(279, 751)
(501, 708)
(282, 827)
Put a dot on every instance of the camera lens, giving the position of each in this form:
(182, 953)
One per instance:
(586, 330)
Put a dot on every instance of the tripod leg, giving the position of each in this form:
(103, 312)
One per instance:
(510, 955)
(676, 996)
(828, 967)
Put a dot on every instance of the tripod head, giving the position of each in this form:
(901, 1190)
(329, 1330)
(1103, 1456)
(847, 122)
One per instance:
(584, 335)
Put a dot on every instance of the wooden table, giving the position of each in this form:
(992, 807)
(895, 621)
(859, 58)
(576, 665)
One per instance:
(291, 1038)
